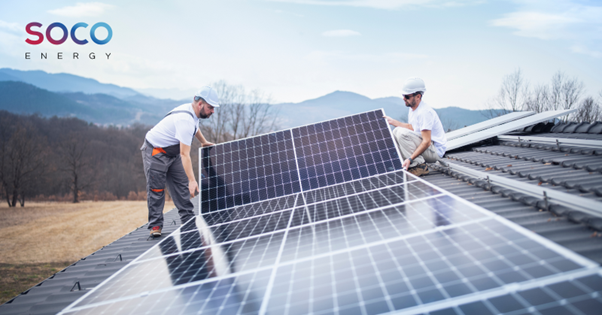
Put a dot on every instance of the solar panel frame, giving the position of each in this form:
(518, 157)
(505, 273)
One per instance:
(505, 128)
(348, 237)
(313, 160)
(486, 124)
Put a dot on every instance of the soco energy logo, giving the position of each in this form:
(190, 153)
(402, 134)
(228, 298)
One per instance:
(35, 29)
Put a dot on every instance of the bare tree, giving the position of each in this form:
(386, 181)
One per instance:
(538, 100)
(241, 114)
(564, 92)
(76, 163)
(515, 95)
(589, 111)
(511, 97)
(21, 161)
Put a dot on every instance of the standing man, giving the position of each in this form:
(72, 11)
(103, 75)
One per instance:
(166, 157)
(423, 138)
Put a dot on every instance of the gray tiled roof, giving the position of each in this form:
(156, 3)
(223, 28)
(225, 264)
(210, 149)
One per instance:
(576, 170)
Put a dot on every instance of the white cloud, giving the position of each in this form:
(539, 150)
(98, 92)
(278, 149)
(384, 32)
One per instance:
(10, 27)
(11, 39)
(82, 9)
(340, 33)
(580, 26)
(536, 24)
(385, 4)
(586, 51)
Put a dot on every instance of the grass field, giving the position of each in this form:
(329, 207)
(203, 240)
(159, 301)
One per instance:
(43, 238)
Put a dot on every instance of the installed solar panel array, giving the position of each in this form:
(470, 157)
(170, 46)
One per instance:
(348, 233)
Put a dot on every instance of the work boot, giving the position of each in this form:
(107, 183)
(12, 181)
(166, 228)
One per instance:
(155, 231)
(419, 170)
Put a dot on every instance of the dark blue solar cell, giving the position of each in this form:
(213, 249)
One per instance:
(506, 303)
(536, 296)
(475, 308)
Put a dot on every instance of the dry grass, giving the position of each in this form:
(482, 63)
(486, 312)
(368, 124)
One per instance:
(50, 232)
(15, 279)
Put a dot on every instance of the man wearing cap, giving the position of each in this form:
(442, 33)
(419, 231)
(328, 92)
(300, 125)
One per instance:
(422, 139)
(166, 157)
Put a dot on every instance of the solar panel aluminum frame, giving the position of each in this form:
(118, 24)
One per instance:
(486, 124)
(504, 128)
(201, 175)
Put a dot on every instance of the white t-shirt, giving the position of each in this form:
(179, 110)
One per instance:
(425, 118)
(175, 128)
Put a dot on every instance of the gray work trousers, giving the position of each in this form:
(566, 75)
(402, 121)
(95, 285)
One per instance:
(161, 169)
(408, 142)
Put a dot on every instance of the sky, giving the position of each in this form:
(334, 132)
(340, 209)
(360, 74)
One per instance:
(295, 50)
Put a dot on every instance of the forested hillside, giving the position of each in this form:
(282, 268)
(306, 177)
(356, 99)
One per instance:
(69, 159)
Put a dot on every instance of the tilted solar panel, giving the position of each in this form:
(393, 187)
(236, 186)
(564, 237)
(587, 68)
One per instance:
(359, 239)
(307, 157)
(486, 124)
(241, 172)
(497, 130)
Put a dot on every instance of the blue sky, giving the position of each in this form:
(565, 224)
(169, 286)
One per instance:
(295, 50)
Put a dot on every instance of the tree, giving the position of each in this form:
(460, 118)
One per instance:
(241, 114)
(511, 97)
(564, 92)
(538, 100)
(22, 160)
(589, 111)
(75, 162)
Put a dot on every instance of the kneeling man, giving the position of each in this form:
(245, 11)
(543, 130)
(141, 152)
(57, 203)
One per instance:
(422, 139)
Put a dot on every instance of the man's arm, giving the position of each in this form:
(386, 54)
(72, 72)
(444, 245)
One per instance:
(426, 142)
(193, 186)
(396, 123)
(202, 140)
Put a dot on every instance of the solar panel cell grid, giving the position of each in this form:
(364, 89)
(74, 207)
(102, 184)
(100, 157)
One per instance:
(365, 245)
(248, 170)
(576, 297)
(229, 295)
(202, 264)
(247, 211)
(344, 149)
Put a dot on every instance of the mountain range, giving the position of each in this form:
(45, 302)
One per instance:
(29, 92)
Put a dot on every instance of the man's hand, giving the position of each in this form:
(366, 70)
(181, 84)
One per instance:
(392, 121)
(397, 123)
(193, 186)
(406, 164)
(207, 144)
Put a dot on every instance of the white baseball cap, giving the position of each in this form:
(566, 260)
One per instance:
(208, 94)
(413, 85)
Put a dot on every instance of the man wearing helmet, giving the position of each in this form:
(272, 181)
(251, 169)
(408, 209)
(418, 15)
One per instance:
(166, 157)
(422, 139)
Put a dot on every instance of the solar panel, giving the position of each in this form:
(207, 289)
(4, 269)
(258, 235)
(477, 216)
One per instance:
(385, 241)
(486, 124)
(504, 128)
(308, 157)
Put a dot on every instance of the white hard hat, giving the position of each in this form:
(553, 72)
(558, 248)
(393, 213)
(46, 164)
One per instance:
(208, 94)
(413, 85)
